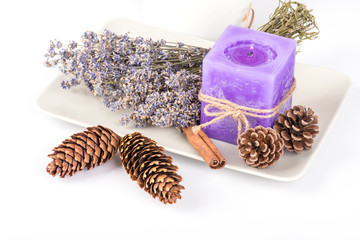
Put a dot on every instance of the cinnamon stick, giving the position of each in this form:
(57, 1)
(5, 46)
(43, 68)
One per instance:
(205, 147)
(206, 139)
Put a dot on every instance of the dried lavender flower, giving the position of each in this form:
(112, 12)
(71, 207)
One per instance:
(158, 80)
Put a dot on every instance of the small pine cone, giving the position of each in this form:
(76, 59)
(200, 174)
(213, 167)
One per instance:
(150, 167)
(260, 147)
(85, 149)
(297, 126)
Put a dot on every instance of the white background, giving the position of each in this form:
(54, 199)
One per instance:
(105, 204)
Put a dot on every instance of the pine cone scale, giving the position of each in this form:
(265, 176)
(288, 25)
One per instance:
(80, 140)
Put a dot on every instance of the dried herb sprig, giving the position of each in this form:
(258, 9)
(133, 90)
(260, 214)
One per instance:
(292, 20)
(157, 80)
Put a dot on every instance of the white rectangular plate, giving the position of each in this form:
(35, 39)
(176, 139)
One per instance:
(321, 89)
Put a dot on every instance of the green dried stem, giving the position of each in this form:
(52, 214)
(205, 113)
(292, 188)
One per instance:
(292, 20)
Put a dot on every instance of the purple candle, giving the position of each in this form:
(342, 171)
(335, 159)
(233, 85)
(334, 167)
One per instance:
(250, 68)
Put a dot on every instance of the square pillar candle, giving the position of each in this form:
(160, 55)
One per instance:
(249, 68)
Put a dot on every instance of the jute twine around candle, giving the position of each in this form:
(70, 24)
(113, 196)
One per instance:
(238, 112)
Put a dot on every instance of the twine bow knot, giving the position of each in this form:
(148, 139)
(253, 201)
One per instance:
(238, 112)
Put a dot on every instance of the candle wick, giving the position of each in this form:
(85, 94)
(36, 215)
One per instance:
(251, 53)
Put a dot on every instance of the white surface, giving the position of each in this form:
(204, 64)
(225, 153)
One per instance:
(202, 16)
(105, 204)
(311, 91)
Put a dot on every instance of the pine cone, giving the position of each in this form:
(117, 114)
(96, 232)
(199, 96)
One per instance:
(297, 126)
(85, 149)
(150, 167)
(260, 147)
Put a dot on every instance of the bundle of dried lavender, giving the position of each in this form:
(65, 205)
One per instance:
(158, 80)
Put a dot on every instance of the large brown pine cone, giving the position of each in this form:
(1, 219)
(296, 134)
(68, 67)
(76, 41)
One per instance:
(85, 149)
(297, 126)
(150, 167)
(260, 147)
